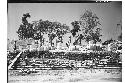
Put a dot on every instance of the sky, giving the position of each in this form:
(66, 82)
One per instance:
(109, 13)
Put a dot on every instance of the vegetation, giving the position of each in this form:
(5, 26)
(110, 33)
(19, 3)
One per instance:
(37, 29)
(87, 28)
(90, 26)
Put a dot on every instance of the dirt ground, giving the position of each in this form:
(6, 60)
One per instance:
(61, 76)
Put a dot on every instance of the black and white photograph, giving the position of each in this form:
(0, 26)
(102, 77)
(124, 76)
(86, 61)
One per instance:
(60, 42)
